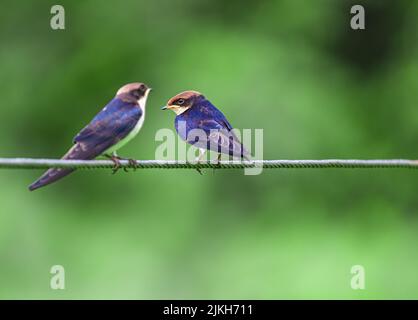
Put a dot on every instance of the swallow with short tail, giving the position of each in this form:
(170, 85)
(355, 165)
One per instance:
(193, 112)
(116, 124)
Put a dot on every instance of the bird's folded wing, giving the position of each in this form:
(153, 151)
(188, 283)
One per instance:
(108, 127)
(222, 139)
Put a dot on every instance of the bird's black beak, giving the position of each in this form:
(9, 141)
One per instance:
(164, 108)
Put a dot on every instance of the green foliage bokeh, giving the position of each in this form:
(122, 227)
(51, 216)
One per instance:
(292, 68)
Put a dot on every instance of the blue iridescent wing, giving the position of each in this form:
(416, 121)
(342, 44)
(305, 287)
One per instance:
(220, 138)
(220, 132)
(108, 127)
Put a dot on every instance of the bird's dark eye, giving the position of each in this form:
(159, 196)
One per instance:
(142, 87)
(180, 102)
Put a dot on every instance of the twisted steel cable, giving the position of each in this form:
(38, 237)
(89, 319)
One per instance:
(28, 163)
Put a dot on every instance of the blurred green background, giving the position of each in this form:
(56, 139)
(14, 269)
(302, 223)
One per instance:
(293, 68)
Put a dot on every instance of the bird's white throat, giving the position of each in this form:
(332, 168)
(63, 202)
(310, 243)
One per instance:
(143, 100)
(180, 110)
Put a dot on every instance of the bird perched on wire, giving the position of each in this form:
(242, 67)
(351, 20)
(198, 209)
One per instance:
(214, 132)
(116, 124)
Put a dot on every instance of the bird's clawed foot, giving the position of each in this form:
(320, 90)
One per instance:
(117, 165)
(199, 159)
(217, 163)
(133, 163)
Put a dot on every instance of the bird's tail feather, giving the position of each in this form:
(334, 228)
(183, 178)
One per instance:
(49, 177)
(54, 174)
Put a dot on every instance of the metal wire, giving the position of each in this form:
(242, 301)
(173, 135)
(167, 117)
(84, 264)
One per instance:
(27, 163)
